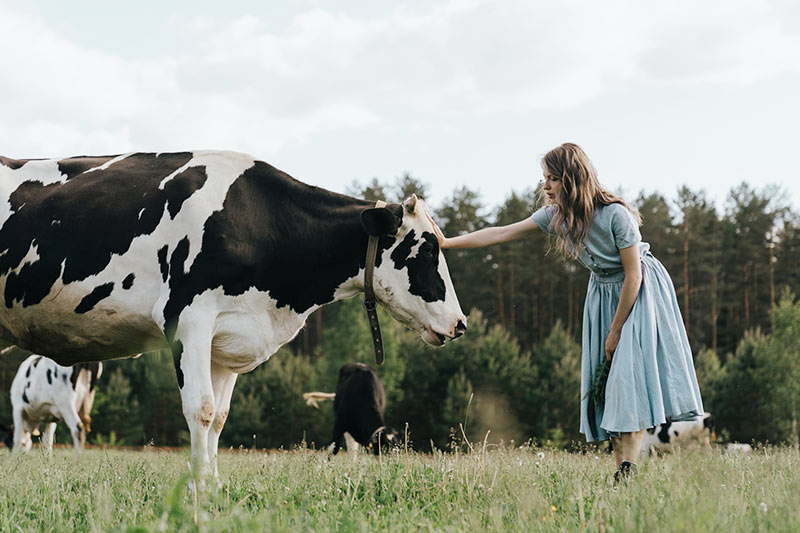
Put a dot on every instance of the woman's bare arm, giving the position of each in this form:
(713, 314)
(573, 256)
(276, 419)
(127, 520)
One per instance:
(630, 290)
(489, 236)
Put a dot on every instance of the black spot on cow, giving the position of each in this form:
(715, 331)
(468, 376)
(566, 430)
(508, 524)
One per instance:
(663, 435)
(73, 378)
(64, 378)
(177, 352)
(162, 262)
(36, 362)
(13, 164)
(261, 214)
(126, 202)
(127, 283)
(90, 300)
(92, 368)
(95, 369)
(423, 273)
(49, 376)
(28, 372)
(651, 430)
(25, 397)
(75, 166)
(182, 186)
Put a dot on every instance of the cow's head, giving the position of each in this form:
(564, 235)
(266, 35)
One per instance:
(384, 439)
(411, 279)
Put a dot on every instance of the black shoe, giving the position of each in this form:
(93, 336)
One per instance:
(625, 471)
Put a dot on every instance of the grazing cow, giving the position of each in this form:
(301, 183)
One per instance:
(738, 448)
(358, 406)
(214, 255)
(671, 435)
(43, 392)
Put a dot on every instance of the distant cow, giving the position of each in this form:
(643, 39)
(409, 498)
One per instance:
(43, 392)
(671, 435)
(216, 256)
(358, 406)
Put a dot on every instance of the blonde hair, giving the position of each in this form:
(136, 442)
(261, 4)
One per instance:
(579, 195)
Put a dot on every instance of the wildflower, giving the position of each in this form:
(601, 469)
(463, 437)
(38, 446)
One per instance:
(541, 455)
(763, 506)
(553, 508)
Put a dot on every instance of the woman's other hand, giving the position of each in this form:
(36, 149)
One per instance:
(611, 343)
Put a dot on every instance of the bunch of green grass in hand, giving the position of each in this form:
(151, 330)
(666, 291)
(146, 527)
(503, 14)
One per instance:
(597, 393)
(597, 390)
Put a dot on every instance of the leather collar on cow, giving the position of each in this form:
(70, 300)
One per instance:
(369, 295)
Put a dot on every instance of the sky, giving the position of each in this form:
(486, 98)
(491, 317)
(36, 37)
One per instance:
(455, 92)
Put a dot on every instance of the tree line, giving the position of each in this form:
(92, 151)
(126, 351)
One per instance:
(516, 372)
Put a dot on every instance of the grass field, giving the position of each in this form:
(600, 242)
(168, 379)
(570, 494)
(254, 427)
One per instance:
(501, 489)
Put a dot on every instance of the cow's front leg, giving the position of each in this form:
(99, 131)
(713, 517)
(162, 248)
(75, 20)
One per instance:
(191, 350)
(223, 381)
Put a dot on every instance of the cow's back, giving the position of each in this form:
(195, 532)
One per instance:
(93, 237)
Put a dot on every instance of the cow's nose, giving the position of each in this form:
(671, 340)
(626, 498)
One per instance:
(461, 328)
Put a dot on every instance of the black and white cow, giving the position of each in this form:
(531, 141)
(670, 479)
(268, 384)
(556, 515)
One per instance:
(671, 435)
(214, 255)
(44, 392)
(358, 406)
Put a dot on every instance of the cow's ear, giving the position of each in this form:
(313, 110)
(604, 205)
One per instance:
(379, 221)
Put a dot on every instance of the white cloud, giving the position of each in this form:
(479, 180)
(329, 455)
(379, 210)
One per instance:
(244, 84)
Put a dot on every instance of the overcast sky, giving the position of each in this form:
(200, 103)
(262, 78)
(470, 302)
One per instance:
(461, 92)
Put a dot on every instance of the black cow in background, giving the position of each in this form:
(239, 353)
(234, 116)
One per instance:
(7, 435)
(358, 406)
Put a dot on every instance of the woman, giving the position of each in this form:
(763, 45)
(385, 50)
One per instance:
(631, 315)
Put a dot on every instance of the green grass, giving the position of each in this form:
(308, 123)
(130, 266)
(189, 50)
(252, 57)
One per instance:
(502, 489)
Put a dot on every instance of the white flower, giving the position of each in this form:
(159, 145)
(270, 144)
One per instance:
(763, 506)
(541, 455)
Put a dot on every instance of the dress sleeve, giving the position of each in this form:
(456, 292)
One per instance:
(543, 216)
(624, 227)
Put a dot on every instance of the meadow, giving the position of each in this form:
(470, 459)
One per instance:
(501, 489)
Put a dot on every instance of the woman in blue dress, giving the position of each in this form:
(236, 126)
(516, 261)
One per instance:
(631, 316)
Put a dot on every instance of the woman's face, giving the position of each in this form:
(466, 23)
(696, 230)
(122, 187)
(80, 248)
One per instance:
(552, 184)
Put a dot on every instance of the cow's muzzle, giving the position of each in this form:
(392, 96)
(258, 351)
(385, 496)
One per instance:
(437, 338)
(460, 329)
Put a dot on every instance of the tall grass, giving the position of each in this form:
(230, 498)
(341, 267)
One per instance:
(502, 489)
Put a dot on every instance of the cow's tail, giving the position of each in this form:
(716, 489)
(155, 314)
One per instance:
(313, 398)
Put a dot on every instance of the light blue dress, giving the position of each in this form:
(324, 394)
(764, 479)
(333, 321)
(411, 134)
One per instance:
(652, 375)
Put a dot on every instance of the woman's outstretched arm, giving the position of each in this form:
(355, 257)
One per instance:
(632, 265)
(489, 236)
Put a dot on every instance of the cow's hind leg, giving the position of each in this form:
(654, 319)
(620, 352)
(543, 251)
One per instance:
(338, 435)
(48, 437)
(223, 381)
(22, 432)
(75, 426)
(191, 350)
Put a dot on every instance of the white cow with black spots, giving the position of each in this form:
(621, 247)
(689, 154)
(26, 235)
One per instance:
(216, 256)
(672, 435)
(44, 392)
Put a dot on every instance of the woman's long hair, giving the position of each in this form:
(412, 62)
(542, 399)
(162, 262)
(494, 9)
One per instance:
(577, 199)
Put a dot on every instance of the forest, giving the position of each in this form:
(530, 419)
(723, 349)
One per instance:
(515, 375)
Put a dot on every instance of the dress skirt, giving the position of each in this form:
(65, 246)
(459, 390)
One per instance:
(652, 375)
